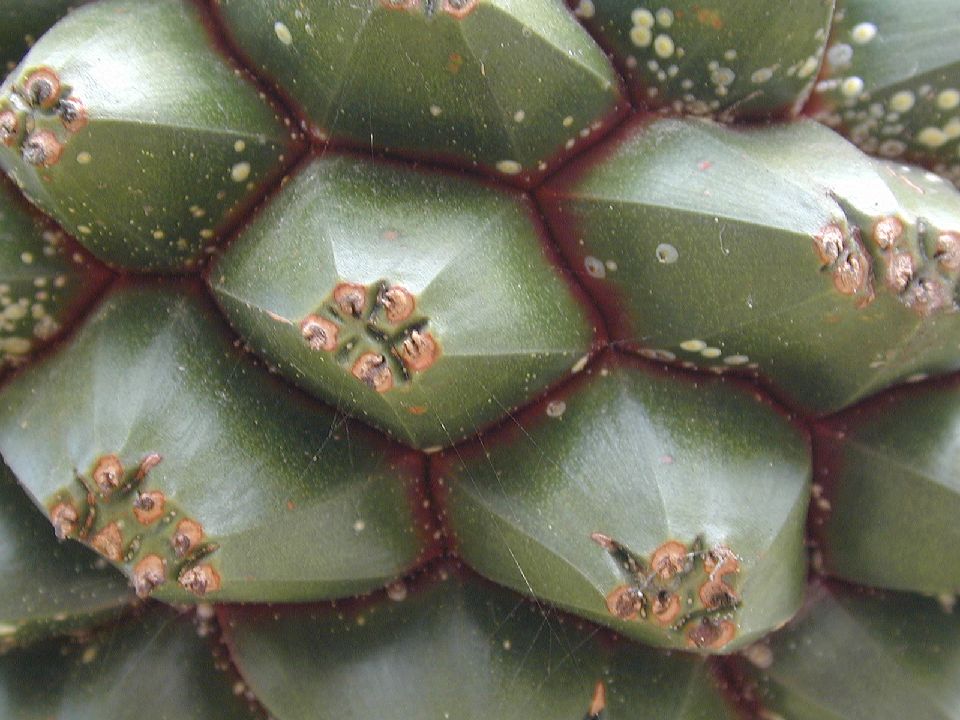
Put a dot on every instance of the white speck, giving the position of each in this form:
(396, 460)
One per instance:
(84, 229)
(509, 167)
(665, 17)
(239, 146)
(736, 360)
(359, 525)
(397, 591)
(693, 345)
(948, 99)
(585, 9)
(760, 655)
(519, 115)
(507, 645)
(730, 54)
(808, 68)
(240, 172)
(641, 36)
(283, 33)
(26, 258)
(611, 265)
(667, 253)
(761, 75)
(663, 46)
(556, 408)
(580, 364)
(84, 158)
(568, 121)
(840, 55)
(852, 86)
(903, 101)
(932, 137)
(642, 17)
(159, 234)
(594, 267)
(435, 110)
(711, 352)
(863, 33)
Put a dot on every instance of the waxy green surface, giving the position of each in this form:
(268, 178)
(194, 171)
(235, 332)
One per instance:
(295, 502)
(890, 490)
(700, 243)
(48, 587)
(891, 80)
(177, 140)
(644, 458)
(157, 667)
(510, 87)
(454, 646)
(45, 280)
(856, 655)
(21, 23)
(507, 321)
(734, 59)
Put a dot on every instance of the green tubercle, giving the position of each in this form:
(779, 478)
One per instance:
(781, 251)
(429, 305)
(46, 279)
(125, 125)
(891, 80)
(732, 59)
(669, 508)
(450, 645)
(48, 588)
(888, 494)
(152, 439)
(855, 654)
(510, 87)
(157, 667)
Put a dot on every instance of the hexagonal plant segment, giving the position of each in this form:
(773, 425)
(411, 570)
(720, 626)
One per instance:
(427, 304)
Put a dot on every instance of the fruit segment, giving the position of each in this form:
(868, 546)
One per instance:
(733, 59)
(429, 305)
(450, 645)
(128, 128)
(888, 490)
(891, 80)
(155, 668)
(860, 655)
(780, 251)
(670, 508)
(46, 279)
(155, 441)
(48, 588)
(510, 87)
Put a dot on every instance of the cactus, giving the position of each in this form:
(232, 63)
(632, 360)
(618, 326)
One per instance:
(479, 358)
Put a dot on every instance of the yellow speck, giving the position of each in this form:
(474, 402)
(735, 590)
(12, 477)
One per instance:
(435, 110)
(665, 17)
(26, 258)
(509, 167)
(240, 172)
(863, 33)
(283, 33)
(852, 86)
(159, 234)
(693, 345)
(711, 352)
(932, 137)
(808, 68)
(663, 46)
(568, 121)
(902, 101)
(642, 17)
(641, 36)
(948, 99)
(239, 146)
(762, 75)
(84, 158)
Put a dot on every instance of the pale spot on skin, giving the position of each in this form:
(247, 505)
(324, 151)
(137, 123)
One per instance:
(711, 352)
(863, 33)
(594, 267)
(435, 110)
(509, 167)
(642, 17)
(283, 33)
(665, 17)
(239, 146)
(667, 253)
(736, 360)
(585, 9)
(852, 86)
(903, 101)
(761, 76)
(932, 137)
(948, 99)
(240, 172)
(663, 46)
(84, 158)
(693, 345)
(556, 408)
(641, 36)
(519, 116)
